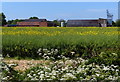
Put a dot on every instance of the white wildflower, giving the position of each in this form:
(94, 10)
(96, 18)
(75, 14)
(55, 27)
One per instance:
(40, 54)
(53, 77)
(105, 68)
(72, 53)
(42, 76)
(54, 72)
(98, 75)
(69, 75)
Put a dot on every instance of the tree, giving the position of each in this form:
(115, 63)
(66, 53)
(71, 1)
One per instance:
(33, 18)
(113, 23)
(2, 19)
(56, 22)
(118, 23)
(10, 22)
(13, 22)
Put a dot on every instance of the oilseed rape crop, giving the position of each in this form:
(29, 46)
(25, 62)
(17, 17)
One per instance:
(89, 41)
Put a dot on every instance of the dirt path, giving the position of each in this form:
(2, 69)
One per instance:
(22, 65)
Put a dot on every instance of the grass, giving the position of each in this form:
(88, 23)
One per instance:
(25, 41)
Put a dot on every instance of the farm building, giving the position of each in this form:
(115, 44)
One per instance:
(33, 23)
(87, 23)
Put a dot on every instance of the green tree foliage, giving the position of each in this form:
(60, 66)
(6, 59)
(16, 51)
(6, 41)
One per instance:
(10, 22)
(13, 22)
(113, 23)
(2, 19)
(118, 23)
(33, 18)
(58, 22)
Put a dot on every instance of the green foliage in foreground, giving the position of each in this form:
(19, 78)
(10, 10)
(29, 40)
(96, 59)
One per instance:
(67, 69)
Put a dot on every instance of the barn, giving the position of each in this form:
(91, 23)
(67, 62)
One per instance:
(87, 23)
(33, 23)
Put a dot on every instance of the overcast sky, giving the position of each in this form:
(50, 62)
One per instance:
(59, 10)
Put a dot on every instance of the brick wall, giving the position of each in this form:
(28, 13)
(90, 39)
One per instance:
(39, 24)
(43, 24)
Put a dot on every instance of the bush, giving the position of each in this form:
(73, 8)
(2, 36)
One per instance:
(118, 23)
(77, 70)
(105, 58)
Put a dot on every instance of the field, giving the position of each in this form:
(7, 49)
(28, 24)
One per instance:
(18, 41)
(93, 45)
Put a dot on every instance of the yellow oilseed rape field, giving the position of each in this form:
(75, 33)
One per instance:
(25, 41)
(52, 31)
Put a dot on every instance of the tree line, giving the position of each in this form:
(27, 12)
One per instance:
(4, 22)
(55, 23)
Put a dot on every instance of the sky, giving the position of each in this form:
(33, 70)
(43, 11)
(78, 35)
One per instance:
(60, 0)
(59, 10)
